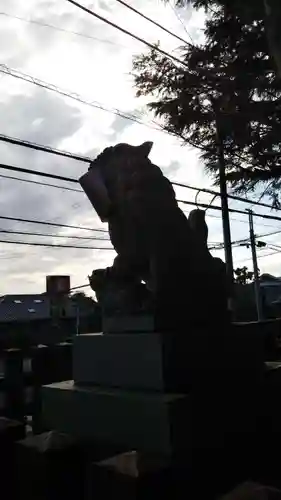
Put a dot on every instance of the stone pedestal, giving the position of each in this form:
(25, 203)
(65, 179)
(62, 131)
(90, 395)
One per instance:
(128, 390)
(128, 324)
(191, 397)
(150, 422)
(145, 361)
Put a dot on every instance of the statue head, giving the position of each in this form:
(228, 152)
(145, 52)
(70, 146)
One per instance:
(103, 171)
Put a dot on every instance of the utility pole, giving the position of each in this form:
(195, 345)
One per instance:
(255, 267)
(77, 309)
(224, 203)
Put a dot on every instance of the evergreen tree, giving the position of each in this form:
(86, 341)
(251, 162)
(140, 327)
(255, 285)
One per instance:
(231, 82)
(250, 10)
(243, 275)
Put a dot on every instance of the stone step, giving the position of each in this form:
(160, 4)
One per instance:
(144, 361)
(138, 323)
(153, 422)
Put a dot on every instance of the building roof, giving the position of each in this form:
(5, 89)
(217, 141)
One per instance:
(26, 307)
(21, 307)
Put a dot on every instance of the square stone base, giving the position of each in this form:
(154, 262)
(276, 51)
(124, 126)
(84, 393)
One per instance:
(138, 323)
(144, 361)
(155, 423)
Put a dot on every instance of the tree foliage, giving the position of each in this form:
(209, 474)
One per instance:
(249, 10)
(231, 82)
(83, 301)
(243, 275)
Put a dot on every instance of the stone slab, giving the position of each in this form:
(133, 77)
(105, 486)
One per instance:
(166, 361)
(128, 324)
(154, 423)
(146, 361)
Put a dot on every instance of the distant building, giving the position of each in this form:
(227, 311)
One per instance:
(22, 307)
(270, 287)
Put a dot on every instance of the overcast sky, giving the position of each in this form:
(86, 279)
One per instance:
(97, 66)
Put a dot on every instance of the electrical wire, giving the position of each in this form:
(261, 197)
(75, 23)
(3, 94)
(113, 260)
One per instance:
(57, 28)
(234, 219)
(49, 223)
(126, 32)
(260, 256)
(272, 246)
(66, 188)
(50, 245)
(216, 193)
(233, 210)
(36, 172)
(153, 22)
(44, 149)
(202, 205)
(72, 95)
(220, 246)
(47, 149)
(182, 23)
(10, 231)
(88, 160)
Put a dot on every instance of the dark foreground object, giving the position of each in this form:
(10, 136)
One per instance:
(10, 432)
(50, 466)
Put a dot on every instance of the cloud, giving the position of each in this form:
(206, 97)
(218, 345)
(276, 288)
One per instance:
(98, 69)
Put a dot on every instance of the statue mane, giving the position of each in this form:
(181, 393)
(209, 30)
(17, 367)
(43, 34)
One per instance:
(154, 241)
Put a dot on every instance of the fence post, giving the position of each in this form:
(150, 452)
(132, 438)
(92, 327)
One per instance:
(39, 356)
(10, 432)
(14, 385)
(49, 364)
(50, 466)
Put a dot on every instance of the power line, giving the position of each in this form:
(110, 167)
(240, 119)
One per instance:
(53, 245)
(202, 205)
(47, 223)
(47, 149)
(77, 33)
(37, 172)
(217, 246)
(66, 188)
(44, 149)
(181, 22)
(216, 193)
(72, 95)
(274, 247)
(9, 231)
(234, 219)
(126, 32)
(220, 246)
(153, 22)
(88, 160)
(260, 256)
(233, 210)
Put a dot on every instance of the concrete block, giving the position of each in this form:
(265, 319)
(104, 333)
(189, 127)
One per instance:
(140, 323)
(156, 423)
(144, 361)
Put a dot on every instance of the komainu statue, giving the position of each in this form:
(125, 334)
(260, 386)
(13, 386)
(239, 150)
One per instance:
(163, 264)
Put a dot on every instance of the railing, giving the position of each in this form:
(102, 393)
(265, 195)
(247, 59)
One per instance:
(24, 371)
